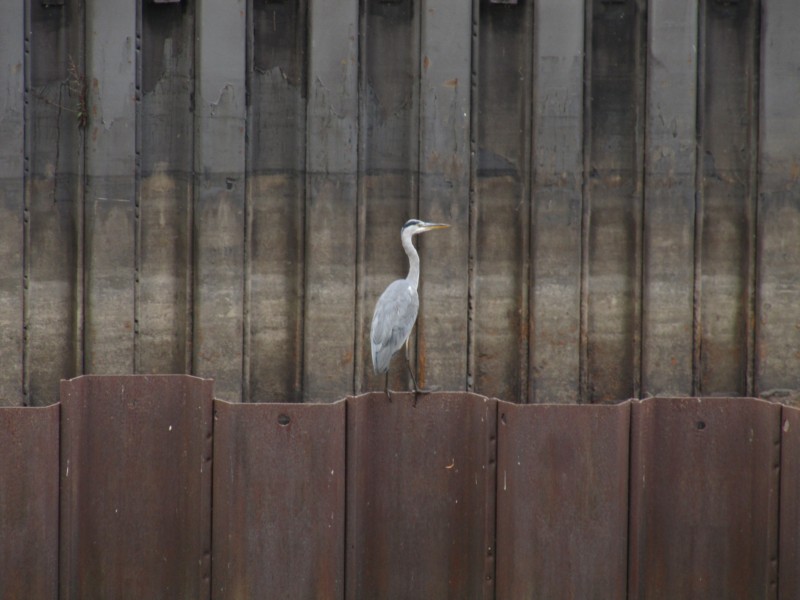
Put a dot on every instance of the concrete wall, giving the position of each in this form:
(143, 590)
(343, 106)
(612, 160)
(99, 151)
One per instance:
(217, 188)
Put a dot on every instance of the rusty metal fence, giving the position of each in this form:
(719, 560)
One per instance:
(147, 487)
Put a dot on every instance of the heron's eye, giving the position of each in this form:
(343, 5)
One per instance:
(411, 222)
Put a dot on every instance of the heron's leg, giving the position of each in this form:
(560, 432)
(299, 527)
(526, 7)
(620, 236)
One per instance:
(386, 387)
(408, 365)
(410, 371)
(417, 389)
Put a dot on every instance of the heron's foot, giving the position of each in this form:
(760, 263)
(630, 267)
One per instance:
(427, 390)
(388, 394)
(422, 391)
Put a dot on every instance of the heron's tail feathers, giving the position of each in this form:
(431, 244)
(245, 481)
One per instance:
(381, 357)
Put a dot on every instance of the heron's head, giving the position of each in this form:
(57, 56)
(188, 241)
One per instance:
(415, 226)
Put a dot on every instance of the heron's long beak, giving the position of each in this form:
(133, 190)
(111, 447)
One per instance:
(432, 226)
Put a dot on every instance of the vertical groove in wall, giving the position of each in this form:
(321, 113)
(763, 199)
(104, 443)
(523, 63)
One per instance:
(755, 182)
(303, 225)
(26, 181)
(586, 201)
(360, 212)
(641, 124)
(276, 196)
(110, 205)
(416, 163)
(697, 324)
(192, 280)
(220, 120)
(247, 217)
(472, 219)
(332, 119)
(360, 334)
(669, 194)
(188, 357)
(614, 207)
(137, 190)
(529, 275)
(303, 296)
(299, 198)
(189, 279)
(642, 269)
(420, 22)
(500, 95)
(415, 203)
(444, 190)
(555, 151)
(724, 144)
(641, 371)
(248, 209)
(751, 286)
(526, 223)
(778, 312)
(80, 219)
(165, 151)
(307, 195)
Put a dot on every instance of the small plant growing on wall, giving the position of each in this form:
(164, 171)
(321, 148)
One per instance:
(77, 86)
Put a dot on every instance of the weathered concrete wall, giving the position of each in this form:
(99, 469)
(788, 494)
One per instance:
(218, 188)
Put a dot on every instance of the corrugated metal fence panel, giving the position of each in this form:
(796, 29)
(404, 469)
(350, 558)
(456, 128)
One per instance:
(279, 492)
(704, 498)
(789, 532)
(135, 487)
(29, 503)
(562, 510)
(420, 496)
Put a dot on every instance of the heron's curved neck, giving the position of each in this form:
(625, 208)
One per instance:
(413, 260)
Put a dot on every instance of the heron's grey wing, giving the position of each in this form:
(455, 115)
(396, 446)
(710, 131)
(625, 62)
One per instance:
(395, 314)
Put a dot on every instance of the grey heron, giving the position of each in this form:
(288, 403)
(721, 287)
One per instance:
(397, 308)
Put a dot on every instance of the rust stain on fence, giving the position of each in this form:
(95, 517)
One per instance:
(704, 501)
(135, 487)
(278, 500)
(29, 503)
